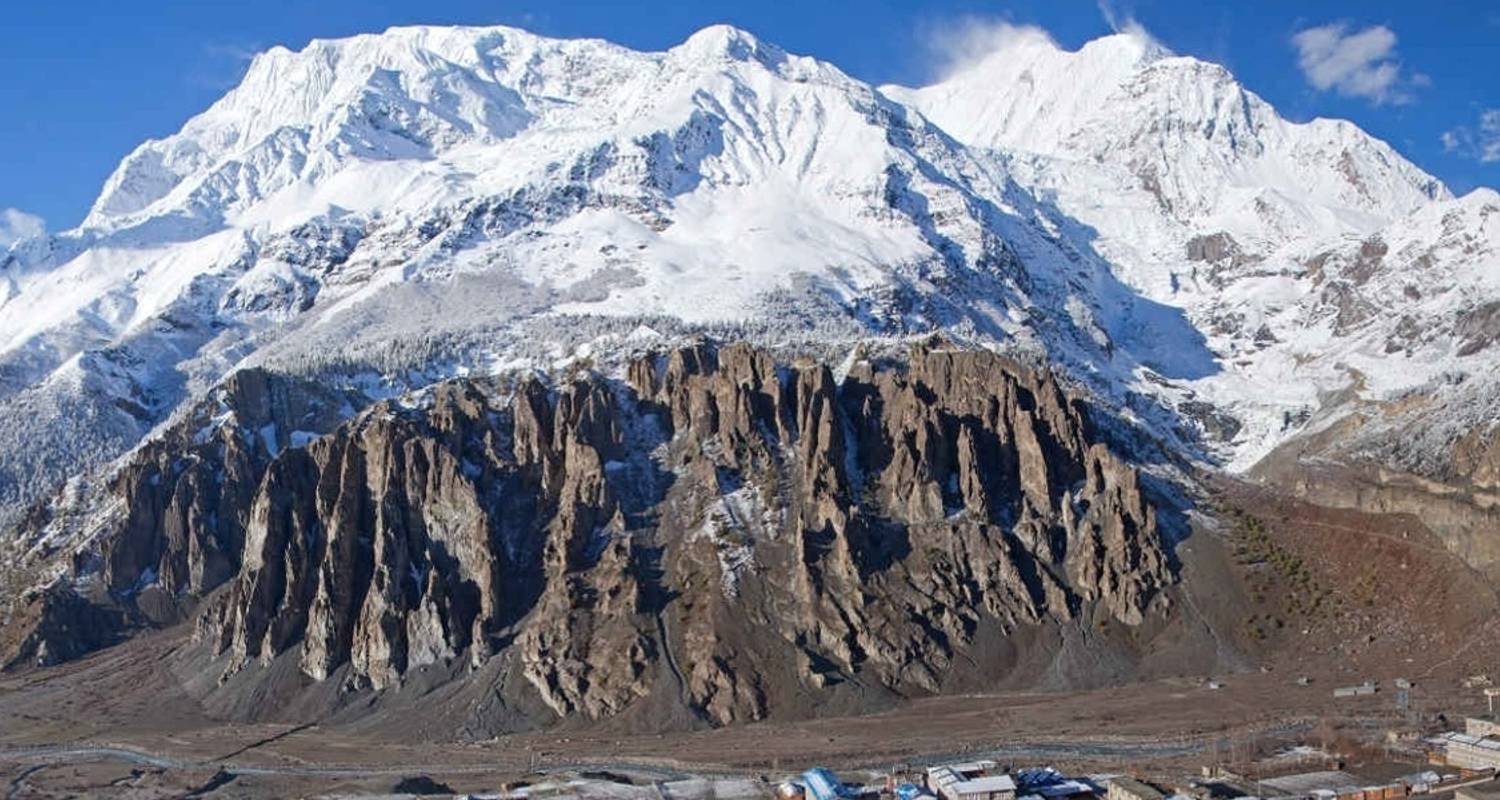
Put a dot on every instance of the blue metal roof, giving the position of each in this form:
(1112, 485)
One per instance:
(823, 785)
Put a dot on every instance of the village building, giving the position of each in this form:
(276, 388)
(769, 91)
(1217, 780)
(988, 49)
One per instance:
(1466, 751)
(972, 781)
(1132, 789)
(1050, 784)
(1326, 783)
(820, 784)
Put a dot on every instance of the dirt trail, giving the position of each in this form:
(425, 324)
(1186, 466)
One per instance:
(1103, 750)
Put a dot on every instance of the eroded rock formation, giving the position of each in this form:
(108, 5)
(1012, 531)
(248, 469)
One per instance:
(728, 530)
(716, 514)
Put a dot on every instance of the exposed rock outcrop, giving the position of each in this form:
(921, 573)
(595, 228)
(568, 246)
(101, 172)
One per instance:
(165, 529)
(186, 495)
(717, 518)
(716, 528)
(1414, 455)
(54, 624)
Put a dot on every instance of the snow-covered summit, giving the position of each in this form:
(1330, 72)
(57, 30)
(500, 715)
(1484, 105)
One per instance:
(405, 124)
(1202, 197)
(409, 93)
(1029, 94)
(1183, 129)
(418, 94)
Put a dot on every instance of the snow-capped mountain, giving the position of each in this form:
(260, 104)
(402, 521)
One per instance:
(393, 209)
(426, 186)
(1204, 150)
(1313, 257)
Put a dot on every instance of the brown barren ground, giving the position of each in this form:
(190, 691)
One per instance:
(1335, 596)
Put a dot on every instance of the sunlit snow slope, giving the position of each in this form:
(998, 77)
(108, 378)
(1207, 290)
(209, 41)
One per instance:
(1314, 258)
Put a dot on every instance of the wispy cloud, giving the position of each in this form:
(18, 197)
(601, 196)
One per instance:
(1479, 141)
(1360, 63)
(956, 45)
(1111, 16)
(1121, 19)
(223, 64)
(16, 225)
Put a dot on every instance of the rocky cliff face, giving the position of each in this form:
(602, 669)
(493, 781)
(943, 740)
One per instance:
(185, 496)
(1412, 456)
(717, 513)
(164, 529)
(714, 527)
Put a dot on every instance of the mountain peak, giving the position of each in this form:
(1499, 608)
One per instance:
(1023, 91)
(1182, 130)
(726, 41)
(1012, 50)
(1133, 45)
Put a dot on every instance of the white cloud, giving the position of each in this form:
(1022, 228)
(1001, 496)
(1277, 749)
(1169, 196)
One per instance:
(1480, 141)
(957, 45)
(1124, 21)
(16, 225)
(1355, 64)
(1111, 17)
(223, 64)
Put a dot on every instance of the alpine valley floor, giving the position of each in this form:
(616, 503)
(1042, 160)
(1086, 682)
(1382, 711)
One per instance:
(120, 720)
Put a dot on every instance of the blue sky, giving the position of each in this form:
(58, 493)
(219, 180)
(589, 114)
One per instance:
(86, 81)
